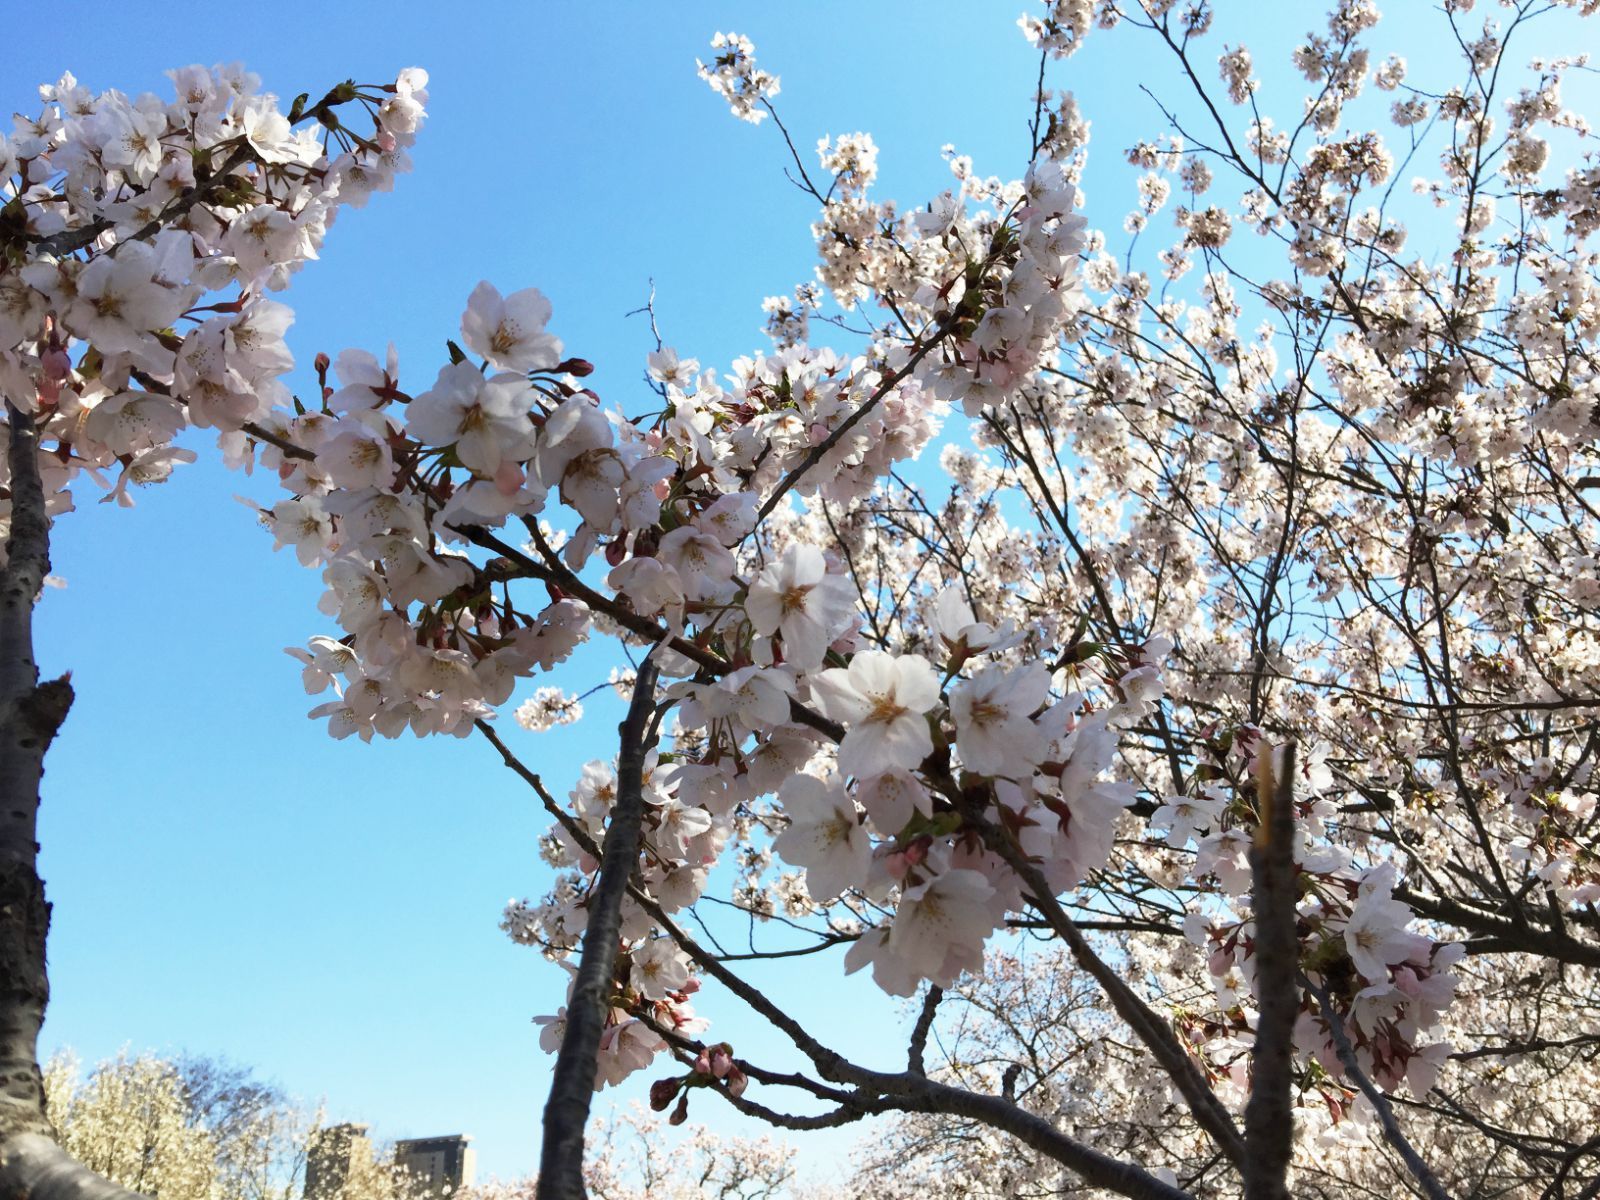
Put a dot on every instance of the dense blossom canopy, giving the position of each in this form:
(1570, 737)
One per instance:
(1281, 526)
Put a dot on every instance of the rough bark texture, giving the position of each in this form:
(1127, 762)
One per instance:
(1269, 1115)
(572, 1088)
(29, 718)
(32, 1166)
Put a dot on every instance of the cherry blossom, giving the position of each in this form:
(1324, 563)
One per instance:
(798, 599)
(992, 712)
(882, 698)
(998, 617)
(824, 835)
(509, 331)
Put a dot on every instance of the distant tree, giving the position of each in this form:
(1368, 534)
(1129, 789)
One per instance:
(198, 1128)
(130, 1121)
(261, 1136)
(630, 1156)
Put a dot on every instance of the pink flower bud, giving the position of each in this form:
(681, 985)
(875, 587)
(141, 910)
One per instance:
(56, 363)
(681, 1113)
(508, 478)
(721, 1061)
(662, 1091)
(737, 1082)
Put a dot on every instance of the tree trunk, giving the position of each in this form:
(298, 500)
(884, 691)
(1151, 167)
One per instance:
(32, 1165)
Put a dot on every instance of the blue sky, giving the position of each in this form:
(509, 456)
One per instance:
(227, 879)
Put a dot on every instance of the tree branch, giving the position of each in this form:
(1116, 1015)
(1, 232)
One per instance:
(820, 450)
(567, 1110)
(914, 1093)
(1380, 1103)
(1138, 1015)
(1269, 1114)
(33, 1167)
(919, 1033)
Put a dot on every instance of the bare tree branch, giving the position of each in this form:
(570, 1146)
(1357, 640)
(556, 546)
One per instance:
(572, 1088)
(1269, 1115)
(919, 1033)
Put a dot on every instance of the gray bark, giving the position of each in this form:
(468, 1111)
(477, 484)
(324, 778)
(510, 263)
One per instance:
(567, 1110)
(32, 1166)
(1269, 1115)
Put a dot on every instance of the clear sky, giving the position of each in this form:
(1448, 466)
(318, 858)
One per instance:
(226, 878)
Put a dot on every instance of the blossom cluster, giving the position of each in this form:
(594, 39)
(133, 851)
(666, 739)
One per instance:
(125, 214)
(734, 76)
(396, 495)
(876, 821)
(1388, 984)
(1344, 508)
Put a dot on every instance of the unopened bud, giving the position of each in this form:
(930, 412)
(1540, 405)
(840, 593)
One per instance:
(575, 366)
(56, 363)
(662, 1091)
(681, 1113)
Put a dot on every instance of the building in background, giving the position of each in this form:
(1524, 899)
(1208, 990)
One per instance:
(436, 1166)
(335, 1154)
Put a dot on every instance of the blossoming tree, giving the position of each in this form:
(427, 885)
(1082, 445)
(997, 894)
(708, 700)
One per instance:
(1242, 644)
(120, 220)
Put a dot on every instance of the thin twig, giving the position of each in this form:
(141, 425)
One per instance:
(1380, 1103)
